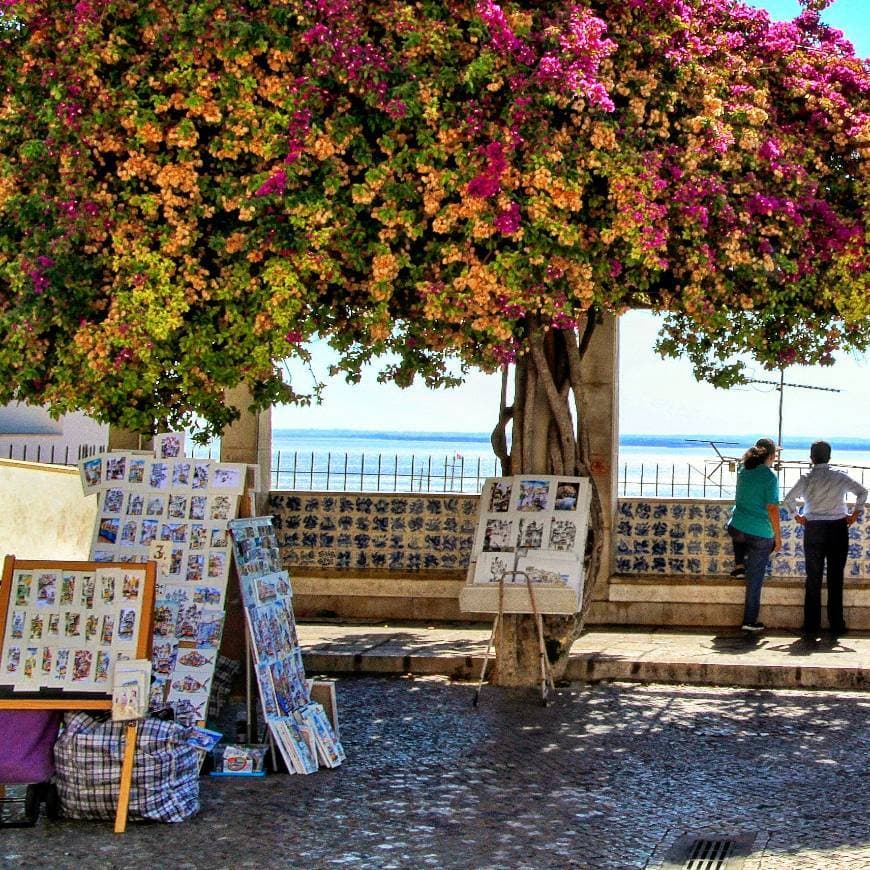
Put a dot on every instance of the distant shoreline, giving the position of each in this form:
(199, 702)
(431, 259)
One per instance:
(682, 442)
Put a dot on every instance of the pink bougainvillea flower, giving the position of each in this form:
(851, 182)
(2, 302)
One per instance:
(275, 183)
(508, 222)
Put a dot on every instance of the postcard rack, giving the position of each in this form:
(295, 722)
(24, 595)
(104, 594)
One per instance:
(296, 723)
(172, 509)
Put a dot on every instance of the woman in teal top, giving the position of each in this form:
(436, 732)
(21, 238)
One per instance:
(754, 523)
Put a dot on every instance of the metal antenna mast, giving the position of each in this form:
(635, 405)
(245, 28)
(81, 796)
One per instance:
(780, 385)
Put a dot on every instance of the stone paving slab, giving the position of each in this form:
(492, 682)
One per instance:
(727, 657)
(609, 776)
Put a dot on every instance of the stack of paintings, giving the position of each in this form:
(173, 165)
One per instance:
(166, 503)
(530, 528)
(299, 726)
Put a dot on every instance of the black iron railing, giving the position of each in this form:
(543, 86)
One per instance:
(362, 472)
(381, 472)
(50, 454)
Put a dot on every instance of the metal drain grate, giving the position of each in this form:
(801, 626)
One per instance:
(709, 855)
(709, 850)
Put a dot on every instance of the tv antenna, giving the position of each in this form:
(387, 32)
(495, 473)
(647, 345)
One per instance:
(781, 384)
(716, 445)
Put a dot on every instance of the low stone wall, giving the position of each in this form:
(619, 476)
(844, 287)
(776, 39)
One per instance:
(671, 564)
(401, 556)
(375, 555)
(412, 533)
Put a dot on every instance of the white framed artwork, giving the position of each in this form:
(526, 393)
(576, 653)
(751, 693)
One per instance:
(169, 445)
(529, 526)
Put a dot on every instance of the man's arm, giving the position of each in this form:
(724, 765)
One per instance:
(791, 499)
(860, 492)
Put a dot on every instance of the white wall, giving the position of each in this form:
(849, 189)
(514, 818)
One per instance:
(43, 512)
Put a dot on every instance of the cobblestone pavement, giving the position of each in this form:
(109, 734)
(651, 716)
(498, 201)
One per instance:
(606, 776)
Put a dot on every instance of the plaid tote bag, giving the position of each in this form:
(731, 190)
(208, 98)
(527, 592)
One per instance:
(88, 756)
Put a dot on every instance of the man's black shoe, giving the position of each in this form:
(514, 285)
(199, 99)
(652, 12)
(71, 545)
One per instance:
(738, 571)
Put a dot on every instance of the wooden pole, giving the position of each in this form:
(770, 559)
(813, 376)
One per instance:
(126, 776)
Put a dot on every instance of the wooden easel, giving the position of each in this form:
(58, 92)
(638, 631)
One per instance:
(547, 683)
(71, 702)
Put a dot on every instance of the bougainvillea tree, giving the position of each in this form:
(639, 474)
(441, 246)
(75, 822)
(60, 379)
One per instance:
(191, 191)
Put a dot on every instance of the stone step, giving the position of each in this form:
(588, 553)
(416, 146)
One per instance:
(715, 658)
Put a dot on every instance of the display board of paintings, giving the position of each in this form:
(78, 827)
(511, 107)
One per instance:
(64, 625)
(299, 726)
(178, 507)
(530, 527)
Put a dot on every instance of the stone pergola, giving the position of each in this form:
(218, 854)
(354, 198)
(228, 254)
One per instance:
(686, 585)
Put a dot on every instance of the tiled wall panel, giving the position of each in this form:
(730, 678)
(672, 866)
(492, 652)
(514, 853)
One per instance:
(689, 538)
(411, 533)
(376, 531)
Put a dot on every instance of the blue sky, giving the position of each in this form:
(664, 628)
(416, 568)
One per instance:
(656, 397)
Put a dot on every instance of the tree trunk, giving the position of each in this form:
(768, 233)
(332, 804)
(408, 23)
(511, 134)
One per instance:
(548, 437)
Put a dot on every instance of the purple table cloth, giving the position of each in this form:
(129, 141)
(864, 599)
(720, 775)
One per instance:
(27, 745)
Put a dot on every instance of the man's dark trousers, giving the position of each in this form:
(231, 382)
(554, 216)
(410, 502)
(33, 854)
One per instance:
(826, 543)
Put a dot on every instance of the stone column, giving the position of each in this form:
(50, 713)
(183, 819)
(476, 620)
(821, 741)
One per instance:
(127, 439)
(249, 440)
(600, 421)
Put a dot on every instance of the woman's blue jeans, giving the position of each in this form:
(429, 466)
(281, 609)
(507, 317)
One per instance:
(758, 552)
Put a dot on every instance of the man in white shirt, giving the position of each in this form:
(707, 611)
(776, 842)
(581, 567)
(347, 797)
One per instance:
(826, 519)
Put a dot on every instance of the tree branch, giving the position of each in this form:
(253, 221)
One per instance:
(558, 409)
(575, 352)
(498, 438)
(588, 330)
(518, 439)
(529, 414)
(554, 445)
